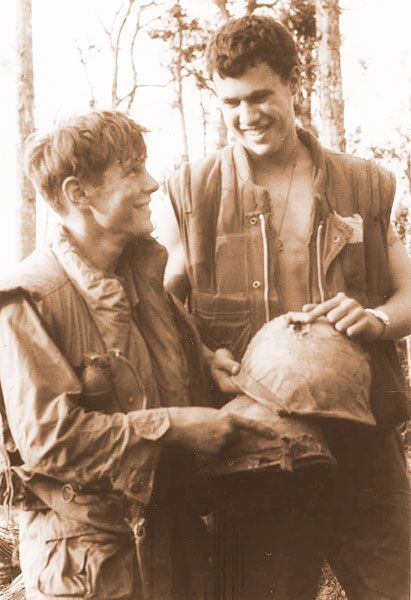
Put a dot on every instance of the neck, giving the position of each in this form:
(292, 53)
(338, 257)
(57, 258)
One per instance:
(100, 248)
(280, 162)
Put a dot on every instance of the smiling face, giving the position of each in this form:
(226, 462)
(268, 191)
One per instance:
(120, 204)
(258, 108)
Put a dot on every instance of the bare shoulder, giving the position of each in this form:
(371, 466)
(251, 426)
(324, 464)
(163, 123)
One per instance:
(392, 236)
(399, 261)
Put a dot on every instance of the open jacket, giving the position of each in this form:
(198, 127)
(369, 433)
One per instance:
(85, 358)
(231, 251)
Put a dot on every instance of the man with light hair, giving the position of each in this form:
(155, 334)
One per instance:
(276, 223)
(104, 395)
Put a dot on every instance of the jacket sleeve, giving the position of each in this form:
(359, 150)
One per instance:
(53, 434)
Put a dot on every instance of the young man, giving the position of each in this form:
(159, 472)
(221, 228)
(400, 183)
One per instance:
(276, 223)
(99, 373)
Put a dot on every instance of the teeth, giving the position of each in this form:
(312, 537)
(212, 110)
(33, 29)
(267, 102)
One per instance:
(255, 131)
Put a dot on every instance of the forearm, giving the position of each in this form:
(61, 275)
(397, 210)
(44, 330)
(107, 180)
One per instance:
(54, 434)
(398, 309)
(398, 305)
(87, 447)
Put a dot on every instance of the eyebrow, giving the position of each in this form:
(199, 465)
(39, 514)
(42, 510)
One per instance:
(253, 95)
(134, 162)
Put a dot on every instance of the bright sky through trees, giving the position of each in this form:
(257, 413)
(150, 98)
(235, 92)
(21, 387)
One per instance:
(376, 63)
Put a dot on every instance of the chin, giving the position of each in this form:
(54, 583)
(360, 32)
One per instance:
(144, 233)
(263, 151)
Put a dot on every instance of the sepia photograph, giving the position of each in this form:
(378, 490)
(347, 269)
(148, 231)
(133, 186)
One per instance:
(205, 300)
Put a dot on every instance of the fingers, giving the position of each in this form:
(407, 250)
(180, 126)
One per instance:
(223, 366)
(345, 317)
(322, 309)
(251, 425)
(359, 328)
(345, 313)
(308, 307)
(296, 317)
(226, 384)
(224, 361)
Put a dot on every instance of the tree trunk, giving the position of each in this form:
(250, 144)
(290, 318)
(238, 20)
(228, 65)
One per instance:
(221, 128)
(203, 123)
(331, 119)
(26, 217)
(180, 97)
(408, 247)
(222, 7)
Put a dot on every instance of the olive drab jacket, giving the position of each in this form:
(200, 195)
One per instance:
(229, 240)
(85, 358)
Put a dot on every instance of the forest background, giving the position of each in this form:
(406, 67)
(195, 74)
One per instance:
(145, 57)
(62, 57)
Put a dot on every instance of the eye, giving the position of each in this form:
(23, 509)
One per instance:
(231, 102)
(136, 169)
(260, 97)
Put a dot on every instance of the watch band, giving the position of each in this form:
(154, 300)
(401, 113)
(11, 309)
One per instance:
(382, 316)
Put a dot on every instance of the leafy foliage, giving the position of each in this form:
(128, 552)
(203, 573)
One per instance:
(185, 39)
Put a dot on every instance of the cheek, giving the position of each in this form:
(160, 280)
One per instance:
(229, 116)
(142, 215)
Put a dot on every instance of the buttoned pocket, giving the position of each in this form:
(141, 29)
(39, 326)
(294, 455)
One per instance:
(88, 566)
(223, 322)
(98, 392)
(231, 262)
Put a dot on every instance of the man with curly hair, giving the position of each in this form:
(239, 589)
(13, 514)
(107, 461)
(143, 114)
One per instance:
(275, 223)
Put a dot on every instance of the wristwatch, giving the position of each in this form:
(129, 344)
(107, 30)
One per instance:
(382, 316)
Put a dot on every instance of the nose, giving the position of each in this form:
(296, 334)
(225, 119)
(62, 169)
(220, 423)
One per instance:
(151, 184)
(248, 114)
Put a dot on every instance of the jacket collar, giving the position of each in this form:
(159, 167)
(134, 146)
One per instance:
(109, 297)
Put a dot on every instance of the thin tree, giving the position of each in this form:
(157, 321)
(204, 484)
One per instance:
(26, 218)
(299, 18)
(122, 34)
(330, 89)
(117, 35)
(184, 38)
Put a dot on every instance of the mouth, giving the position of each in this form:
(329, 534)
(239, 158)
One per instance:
(255, 132)
(142, 205)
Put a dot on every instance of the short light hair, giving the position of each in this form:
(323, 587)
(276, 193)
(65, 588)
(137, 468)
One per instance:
(84, 147)
(242, 43)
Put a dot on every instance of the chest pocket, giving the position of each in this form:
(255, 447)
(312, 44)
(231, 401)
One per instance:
(110, 383)
(343, 257)
(223, 322)
(231, 262)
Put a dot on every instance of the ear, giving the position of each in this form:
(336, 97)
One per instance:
(74, 192)
(294, 80)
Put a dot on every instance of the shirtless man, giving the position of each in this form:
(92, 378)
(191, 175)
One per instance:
(276, 223)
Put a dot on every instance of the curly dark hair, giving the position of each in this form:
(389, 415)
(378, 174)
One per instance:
(84, 146)
(242, 43)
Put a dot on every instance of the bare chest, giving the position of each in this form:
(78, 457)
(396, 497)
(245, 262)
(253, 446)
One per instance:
(292, 216)
(291, 211)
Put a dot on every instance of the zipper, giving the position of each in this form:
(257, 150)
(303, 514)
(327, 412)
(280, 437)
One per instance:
(138, 380)
(265, 266)
(320, 274)
(120, 356)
